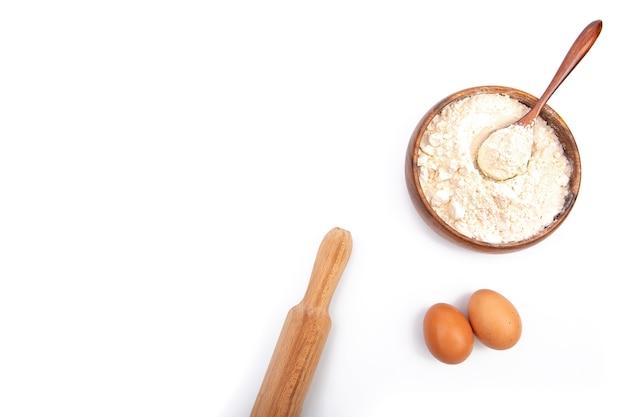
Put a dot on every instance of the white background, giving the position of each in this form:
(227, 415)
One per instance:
(169, 168)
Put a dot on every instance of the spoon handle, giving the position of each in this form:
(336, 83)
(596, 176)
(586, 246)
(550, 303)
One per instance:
(576, 53)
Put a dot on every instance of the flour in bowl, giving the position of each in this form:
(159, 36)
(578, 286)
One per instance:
(476, 206)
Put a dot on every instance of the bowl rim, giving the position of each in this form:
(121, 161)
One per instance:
(552, 118)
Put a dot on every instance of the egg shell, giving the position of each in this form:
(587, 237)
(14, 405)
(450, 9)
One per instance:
(447, 333)
(494, 319)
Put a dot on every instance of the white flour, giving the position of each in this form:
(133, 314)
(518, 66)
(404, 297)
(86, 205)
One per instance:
(478, 207)
(506, 152)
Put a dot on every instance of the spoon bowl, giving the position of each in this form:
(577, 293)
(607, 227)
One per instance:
(505, 152)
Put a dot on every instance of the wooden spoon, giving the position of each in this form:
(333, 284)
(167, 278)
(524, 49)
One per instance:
(505, 153)
(304, 333)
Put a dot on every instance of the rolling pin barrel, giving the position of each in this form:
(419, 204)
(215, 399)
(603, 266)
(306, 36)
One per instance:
(304, 333)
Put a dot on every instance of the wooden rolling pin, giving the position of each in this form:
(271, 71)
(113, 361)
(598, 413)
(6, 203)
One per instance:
(304, 333)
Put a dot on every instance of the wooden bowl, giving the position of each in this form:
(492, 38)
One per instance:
(427, 212)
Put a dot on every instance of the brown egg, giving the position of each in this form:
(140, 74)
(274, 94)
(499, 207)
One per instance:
(447, 333)
(494, 320)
